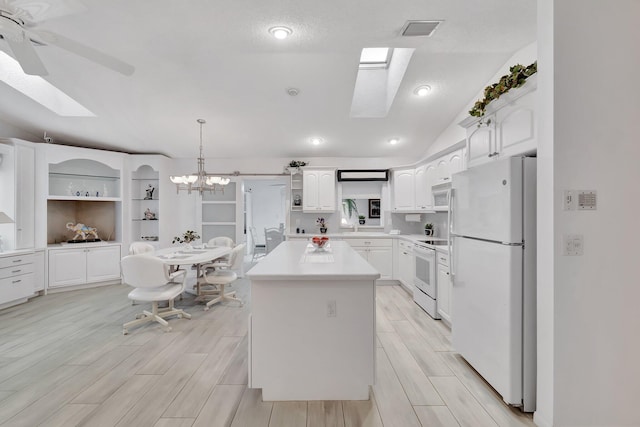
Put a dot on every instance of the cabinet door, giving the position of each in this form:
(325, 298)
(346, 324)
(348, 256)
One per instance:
(423, 181)
(442, 170)
(481, 142)
(456, 162)
(363, 252)
(516, 123)
(406, 267)
(382, 260)
(404, 190)
(311, 188)
(25, 196)
(67, 267)
(444, 293)
(327, 190)
(103, 264)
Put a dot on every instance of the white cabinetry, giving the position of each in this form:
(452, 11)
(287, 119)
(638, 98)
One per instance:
(507, 129)
(425, 177)
(319, 190)
(17, 198)
(16, 277)
(378, 252)
(404, 190)
(444, 287)
(145, 204)
(406, 264)
(83, 265)
(296, 191)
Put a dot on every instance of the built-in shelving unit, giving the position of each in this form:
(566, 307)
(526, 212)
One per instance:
(296, 191)
(145, 204)
(219, 213)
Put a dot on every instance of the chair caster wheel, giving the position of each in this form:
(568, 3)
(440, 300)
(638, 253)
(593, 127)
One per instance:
(206, 308)
(139, 316)
(168, 329)
(125, 332)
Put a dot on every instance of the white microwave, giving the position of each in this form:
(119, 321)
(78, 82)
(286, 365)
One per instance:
(440, 194)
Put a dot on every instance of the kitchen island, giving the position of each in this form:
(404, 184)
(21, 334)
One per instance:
(312, 324)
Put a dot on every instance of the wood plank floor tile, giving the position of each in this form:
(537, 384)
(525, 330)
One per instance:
(220, 409)
(147, 411)
(289, 414)
(361, 413)
(119, 403)
(238, 371)
(174, 422)
(252, 411)
(69, 415)
(415, 383)
(487, 396)
(393, 404)
(325, 413)
(429, 361)
(382, 323)
(435, 416)
(464, 407)
(195, 393)
(390, 309)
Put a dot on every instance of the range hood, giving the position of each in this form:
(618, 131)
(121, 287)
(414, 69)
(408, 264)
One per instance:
(363, 175)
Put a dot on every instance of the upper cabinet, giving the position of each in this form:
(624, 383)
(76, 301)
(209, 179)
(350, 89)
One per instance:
(507, 129)
(404, 188)
(83, 179)
(319, 190)
(425, 177)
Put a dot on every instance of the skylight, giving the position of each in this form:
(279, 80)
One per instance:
(375, 57)
(40, 90)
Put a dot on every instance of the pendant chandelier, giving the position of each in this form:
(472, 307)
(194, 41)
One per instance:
(200, 181)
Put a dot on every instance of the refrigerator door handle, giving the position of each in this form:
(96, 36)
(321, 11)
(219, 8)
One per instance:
(450, 221)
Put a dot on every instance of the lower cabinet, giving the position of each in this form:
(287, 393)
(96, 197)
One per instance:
(16, 277)
(379, 253)
(79, 266)
(444, 287)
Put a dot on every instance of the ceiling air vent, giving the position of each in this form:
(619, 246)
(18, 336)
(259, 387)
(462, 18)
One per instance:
(419, 28)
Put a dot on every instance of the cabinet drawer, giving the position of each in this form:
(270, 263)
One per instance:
(443, 259)
(13, 288)
(405, 245)
(387, 243)
(16, 270)
(16, 260)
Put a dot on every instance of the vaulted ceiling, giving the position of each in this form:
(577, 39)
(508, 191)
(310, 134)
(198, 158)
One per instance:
(216, 60)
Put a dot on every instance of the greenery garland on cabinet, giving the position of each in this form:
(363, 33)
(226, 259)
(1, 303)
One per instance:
(516, 78)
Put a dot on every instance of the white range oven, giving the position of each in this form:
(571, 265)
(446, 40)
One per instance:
(425, 294)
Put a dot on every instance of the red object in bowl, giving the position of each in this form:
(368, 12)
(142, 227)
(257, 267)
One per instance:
(318, 241)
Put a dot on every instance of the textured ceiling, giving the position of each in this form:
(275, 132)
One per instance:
(216, 60)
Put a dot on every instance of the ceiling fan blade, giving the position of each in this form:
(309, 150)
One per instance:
(86, 52)
(27, 57)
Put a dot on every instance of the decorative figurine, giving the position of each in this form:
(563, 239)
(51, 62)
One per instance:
(149, 192)
(82, 231)
(149, 215)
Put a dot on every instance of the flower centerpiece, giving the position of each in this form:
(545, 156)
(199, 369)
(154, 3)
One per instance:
(187, 238)
(321, 223)
(294, 166)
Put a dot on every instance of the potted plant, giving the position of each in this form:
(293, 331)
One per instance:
(294, 166)
(321, 223)
(361, 219)
(187, 238)
(428, 229)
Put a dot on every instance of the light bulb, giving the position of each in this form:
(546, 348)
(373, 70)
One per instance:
(280, 33)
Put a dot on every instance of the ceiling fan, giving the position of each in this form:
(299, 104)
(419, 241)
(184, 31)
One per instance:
(17, 28)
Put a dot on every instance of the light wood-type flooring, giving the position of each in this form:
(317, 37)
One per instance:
(64, 362)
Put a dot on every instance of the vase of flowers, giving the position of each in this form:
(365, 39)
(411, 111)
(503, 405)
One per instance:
(321, 223)
(187, 238)
(428, 229)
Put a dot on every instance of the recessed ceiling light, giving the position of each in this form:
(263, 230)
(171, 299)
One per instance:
(423, 90)
(394, 141)
(316, 141)
(280, 33)
(292, 91)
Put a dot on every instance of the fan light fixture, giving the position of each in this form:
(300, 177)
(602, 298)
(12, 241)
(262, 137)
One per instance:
(200, 181)
(280, 33)
(422, 90)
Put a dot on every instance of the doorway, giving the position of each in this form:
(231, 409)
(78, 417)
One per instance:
(265, 208)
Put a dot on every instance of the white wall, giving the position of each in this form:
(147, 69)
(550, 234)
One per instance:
(10, 131)
(591, 65)
(454, 133)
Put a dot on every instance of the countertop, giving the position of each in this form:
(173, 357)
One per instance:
(291, 260)
(413, 238)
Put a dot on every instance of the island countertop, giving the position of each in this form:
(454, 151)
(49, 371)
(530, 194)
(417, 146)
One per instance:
(293, 260)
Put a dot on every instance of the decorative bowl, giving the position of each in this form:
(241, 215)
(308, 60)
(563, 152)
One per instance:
(319, 242)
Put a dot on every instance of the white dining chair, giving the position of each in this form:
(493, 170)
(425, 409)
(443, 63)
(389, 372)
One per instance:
(256, 250)
(140, 248)
(216, 281)
(152, 283)
(272, 237)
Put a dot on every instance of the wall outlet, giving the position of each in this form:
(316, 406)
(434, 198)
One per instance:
(331, 308)
(573, 245)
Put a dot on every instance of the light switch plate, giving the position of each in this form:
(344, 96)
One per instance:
(569, 200)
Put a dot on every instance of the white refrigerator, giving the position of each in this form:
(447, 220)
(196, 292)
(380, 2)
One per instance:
(493, 232)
